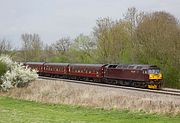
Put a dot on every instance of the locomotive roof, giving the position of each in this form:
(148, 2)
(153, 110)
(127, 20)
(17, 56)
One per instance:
(132, 66)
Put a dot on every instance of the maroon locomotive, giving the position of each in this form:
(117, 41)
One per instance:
(144, 76)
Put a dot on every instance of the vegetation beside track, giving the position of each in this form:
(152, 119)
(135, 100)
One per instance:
(60, 92)
(17, 111)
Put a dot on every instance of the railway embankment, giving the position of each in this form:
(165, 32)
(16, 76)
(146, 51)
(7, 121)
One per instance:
(60, 92)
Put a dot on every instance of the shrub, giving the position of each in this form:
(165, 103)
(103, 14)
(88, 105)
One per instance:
(3, 69)
(16, 75)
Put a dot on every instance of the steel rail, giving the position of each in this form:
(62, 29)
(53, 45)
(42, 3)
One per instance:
(171, 90)
(163, 91)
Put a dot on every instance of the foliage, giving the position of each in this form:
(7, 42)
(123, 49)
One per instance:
(112, 39)
(3, 69)
(82, 49)
(16, 75)
(158, 43)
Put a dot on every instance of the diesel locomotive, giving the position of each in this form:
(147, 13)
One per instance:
(134, 75)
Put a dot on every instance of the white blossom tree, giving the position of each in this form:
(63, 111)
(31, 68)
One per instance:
(17, 75)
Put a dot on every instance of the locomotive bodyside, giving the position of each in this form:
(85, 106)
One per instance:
(133, 75)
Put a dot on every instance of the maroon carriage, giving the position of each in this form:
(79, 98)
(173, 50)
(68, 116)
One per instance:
(87, 71)
(56, 69)
(35, 65)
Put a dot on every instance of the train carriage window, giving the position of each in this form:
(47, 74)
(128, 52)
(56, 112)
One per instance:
(131, 67)
(139, 67)
(125, 66)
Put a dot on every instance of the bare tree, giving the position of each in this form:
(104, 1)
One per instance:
(62, 45)
(5, 46)
(31, 46)
(48, 52)
(84, 43)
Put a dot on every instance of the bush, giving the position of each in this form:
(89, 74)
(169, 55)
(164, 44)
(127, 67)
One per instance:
(3, 68)
(16, 74)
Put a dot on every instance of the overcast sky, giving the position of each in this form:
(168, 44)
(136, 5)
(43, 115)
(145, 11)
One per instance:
(53, 19)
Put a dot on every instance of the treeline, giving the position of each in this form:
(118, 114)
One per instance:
(137, 38)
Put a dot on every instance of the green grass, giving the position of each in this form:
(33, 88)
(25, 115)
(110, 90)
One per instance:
(20, 111)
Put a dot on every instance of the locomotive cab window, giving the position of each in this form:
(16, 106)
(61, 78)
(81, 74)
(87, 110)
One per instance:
(145, 71)
(153, 71)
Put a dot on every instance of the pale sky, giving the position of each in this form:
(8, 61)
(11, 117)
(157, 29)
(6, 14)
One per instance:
(53, 19)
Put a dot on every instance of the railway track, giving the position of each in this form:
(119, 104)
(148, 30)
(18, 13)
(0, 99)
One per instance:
(166, 91)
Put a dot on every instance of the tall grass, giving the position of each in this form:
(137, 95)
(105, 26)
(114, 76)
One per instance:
(88, 95)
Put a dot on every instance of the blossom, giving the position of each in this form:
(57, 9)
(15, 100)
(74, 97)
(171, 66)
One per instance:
(17, 75)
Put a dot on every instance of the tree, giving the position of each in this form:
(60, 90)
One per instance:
(5, 46)
(158, 43)
(84, 43)
(62, 45)
(48, 52)
(82, 49)
(112, 40)
(31, 47)
(133, 17)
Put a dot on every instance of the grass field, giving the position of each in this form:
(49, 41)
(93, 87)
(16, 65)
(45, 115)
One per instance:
(60, 92)
(18, 111)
